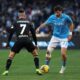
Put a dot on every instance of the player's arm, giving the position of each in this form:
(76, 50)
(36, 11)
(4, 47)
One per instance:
(41, 26)
(10, 35)
(33, 34)
(71, 27)
(46, 23)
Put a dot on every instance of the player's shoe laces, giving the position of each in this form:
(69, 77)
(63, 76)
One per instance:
(38, 71)
(62, 70)
(5, 73)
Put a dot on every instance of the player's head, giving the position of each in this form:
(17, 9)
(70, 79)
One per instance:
(22, 14)
(58, 10)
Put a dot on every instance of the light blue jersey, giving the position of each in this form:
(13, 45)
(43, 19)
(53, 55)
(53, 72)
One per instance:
(60, 25)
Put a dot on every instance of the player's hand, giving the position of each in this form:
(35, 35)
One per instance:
(70, 37)
(37, 30)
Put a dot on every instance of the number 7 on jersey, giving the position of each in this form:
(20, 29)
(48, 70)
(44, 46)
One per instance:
(23, 28)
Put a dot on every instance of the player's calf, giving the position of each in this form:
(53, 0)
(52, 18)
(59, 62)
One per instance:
(48, 58)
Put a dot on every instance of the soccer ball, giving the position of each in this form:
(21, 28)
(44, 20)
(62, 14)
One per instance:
(44, 68)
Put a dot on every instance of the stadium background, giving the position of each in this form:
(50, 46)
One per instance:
(38, 11)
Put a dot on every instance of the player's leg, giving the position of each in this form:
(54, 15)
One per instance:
(36, 61)
(48, 55)
(53, 43)
(64, 55)
(15, 49)
(64, 59)
(9, 62)
(31, 48)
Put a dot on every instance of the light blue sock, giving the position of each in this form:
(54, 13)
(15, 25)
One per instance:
(47, 62)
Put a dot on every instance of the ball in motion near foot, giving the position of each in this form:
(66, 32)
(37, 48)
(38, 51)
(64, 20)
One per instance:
(44, 68)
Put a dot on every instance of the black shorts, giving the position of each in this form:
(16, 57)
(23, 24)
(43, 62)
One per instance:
(23, 43)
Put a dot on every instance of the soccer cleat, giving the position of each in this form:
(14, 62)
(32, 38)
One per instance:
(62, 70)
(38, 71)
(5, 73)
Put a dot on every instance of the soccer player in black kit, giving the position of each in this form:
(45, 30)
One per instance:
(21, 28)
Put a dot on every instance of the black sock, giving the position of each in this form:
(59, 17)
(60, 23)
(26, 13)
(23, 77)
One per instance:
(8, 64)
(36, 61)
(64, 63)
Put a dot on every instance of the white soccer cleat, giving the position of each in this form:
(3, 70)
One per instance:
(62, 70)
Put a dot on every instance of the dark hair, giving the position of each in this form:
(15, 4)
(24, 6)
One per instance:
(58, 7)
(21, 10)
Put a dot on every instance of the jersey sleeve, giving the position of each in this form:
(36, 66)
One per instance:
(12, 30)
(33, 33)
(49, 20)
(13, 27)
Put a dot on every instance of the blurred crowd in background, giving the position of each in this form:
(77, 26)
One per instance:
(37, 11)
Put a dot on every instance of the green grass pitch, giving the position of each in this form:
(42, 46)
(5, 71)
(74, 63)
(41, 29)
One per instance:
(23, 66)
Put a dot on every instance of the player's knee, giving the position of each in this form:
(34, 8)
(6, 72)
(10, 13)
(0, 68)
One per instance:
(35, 53)
(48, 54)
(50, 49)
(11, 55)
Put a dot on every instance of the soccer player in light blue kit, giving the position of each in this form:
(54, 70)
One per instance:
(62, 33)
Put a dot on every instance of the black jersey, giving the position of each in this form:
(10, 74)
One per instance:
(22, 28)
